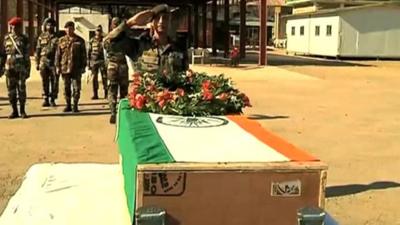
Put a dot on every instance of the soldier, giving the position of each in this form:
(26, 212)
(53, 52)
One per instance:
(155, 51)
(96, 62)
(45, 54)
(17, 66)
(117, 70)
(71, 63)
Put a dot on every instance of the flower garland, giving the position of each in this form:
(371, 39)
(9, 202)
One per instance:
(187, 93)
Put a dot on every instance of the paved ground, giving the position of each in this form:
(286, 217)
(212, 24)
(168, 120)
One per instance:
(344, 114)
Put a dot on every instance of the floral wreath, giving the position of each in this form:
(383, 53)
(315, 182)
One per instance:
(186, 93)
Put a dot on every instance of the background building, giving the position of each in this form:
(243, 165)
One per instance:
(362, 31)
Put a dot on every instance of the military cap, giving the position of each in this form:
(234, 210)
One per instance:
(116, 20)
(69, 24)
(162, 8)
(50, 21)
(99, 28)
(15, 21)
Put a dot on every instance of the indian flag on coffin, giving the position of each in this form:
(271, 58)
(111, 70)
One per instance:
(145, 138)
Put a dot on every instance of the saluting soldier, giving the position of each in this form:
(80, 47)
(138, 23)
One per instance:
(16, 66)
(96, 62)
(45, 55)
(154, 51)
(71, 63)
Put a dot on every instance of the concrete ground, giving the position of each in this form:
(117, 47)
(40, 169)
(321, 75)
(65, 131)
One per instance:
(344, 113)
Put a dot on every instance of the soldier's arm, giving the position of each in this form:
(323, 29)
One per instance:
(140, 19)
(89, 52)
(58, 56)
(83, 54)
(37, 52)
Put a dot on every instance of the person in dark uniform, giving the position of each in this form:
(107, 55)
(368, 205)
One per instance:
(155, 50)
(17, 65)
(45, 55)
(71, 64)
(96, 62)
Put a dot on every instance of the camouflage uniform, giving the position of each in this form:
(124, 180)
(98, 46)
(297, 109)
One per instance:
(117, 72)
(17, 70)
(96, 64)
(45, 54)
(71, 63)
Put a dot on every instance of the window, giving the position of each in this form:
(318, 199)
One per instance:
(302, 31)
(329, 30)
(316, 30)
(293, 31)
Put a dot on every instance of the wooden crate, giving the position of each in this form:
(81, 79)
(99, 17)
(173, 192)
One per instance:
(231, 193)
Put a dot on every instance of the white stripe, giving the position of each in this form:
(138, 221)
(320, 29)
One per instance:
(66, 194)
(225, 143)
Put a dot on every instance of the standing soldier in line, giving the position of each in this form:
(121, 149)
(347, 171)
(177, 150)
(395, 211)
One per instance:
(117, 71)
(96, 62)
(71, 64)
(45, 54)
(17, 66)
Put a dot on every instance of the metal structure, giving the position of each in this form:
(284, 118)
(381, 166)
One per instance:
(34, 11)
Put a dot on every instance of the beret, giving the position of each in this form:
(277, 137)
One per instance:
(15, 21)
(69, 24)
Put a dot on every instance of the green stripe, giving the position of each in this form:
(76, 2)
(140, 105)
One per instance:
(139, 143)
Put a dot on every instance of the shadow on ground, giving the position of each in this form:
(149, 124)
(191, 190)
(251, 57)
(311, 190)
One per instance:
(338, 191)
(265, 117)
(81, 113)
(274, 59)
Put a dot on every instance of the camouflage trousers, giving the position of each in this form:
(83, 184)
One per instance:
(117, 74)
(72, 80)
(96, 68)
(50, 82)
(16, 87)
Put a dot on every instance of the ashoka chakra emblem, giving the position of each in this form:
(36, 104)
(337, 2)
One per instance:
(192, 122)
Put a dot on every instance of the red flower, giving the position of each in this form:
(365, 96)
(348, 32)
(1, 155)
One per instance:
(207, 95)
(223, 96)
(180, 92)
(140, 101)
(162, 103)
(206, 85)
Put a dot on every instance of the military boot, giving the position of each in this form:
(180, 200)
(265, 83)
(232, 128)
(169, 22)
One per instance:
(95, 95)
(46, 102)
(75, 109)
(112, 119)
(53, 102)
(68, 107)
(22, 111)
(14, 113)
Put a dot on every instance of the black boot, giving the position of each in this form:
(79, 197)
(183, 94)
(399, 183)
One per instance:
(14, 113)
(68, 107)
(112, 119)
(95, 95)
(75, 109)
(22, 111)
(46, 102)
(53, 102)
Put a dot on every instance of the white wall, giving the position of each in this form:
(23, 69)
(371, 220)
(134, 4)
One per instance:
(95, 19)
(371, 32)
(323, 44)
(309, 43)
(298, 43)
